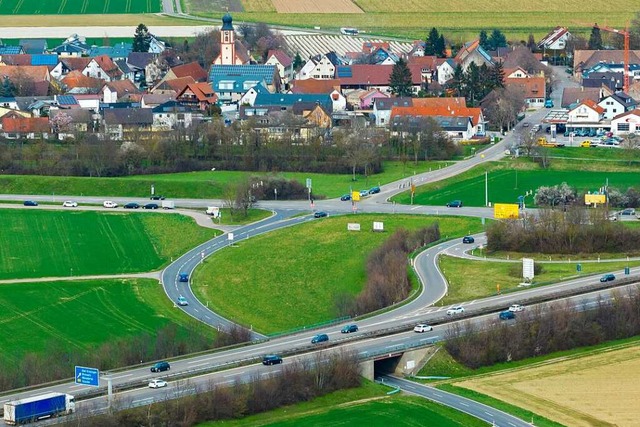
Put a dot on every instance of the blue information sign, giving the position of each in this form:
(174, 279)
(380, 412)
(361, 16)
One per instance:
(87, 376)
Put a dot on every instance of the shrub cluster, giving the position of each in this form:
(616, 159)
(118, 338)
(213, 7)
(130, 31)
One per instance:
(287, 189)
(538, 332)
(297, 382)
(56, 361)
(556, 232)
(387, 277)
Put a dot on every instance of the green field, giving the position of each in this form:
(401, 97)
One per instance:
(70, 7)
(366, 405)
(506, 184)
(200, 185)
(275, 288)
(38, 243)
(78, 316)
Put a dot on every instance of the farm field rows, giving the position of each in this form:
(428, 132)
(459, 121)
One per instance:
(303, 273)
(599, 389)
(74, 243)
(68, 7)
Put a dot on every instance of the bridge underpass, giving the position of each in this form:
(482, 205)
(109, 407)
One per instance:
(399, 362)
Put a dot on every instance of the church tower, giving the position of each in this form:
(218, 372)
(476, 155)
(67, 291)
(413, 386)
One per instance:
(227, 43)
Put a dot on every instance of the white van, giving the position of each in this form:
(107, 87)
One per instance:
(110, 204)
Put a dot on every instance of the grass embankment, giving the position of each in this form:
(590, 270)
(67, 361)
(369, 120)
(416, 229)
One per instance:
(200, 185)
(507, 180)
(253, 215)
(102, 20)
(76, 243)
(288, 279)
(366, 405)
(469, 280)
(78, 316)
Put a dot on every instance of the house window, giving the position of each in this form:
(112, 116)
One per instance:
(623, 127)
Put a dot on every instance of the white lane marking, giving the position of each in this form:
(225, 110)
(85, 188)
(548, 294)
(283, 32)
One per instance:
(121, 376)
(464, 404)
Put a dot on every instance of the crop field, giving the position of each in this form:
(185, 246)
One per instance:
(595, 390)
(69, 313)
(306, 6)
(310, 265)
(505, 185)
(66, 243)
(72, 7)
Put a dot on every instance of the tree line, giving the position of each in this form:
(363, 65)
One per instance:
(387, 281)
(296, 382)
(539, 331)
(578, 230)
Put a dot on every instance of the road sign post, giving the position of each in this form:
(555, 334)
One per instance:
(87, 376)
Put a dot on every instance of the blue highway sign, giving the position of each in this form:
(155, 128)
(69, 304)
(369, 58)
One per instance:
(87, 376)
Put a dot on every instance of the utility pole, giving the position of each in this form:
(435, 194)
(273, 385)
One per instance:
(486, 188)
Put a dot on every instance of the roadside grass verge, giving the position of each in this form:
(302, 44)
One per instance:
(200, 185)
(253, 215)
(507, 181)
(79, 316)
(480, 278)
(77, 243)
(291, 277)
(366, 405)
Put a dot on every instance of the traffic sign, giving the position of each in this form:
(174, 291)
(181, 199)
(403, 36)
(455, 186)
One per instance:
(87, 376)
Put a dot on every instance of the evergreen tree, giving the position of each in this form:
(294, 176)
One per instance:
(496, 76)
(141, 39)
(531, 43)
(497, 39)
(457, 81)
(484, 40)
(297, 62)
(7, 89)
(400, 80)
(441, 48)
(473, 84)
(431, 42)
(595, 40)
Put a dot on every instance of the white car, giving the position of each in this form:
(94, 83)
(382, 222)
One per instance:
(70, 204)
(182, 301)
(157, 383)
(516, 307)
(458, 309)
(110, 204)
(422, 328)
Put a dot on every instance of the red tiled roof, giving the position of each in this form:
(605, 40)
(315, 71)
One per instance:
(17, 59)
(38, 74)
(370, 47)
(108, 66)
(448, 102)
(442, 111)
(75, 78)
(635, 112)
(73, 63)
(315, 86)
(531, 87)
(202, 91)
(176, 85)
(192, 69)
(25, 124)
(282, 57)
(428, 61)
(592, 104)
(121, 87)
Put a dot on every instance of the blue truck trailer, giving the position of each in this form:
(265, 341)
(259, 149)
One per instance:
(34, 408)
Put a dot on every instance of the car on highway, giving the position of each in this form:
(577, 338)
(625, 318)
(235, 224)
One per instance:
(374, 190)
(320, 214)
(182, 301)
(150, 206)
(156, 198)
(70, 204)
(110, 204)
(516, 307)
(349, 328)
(455, 204)
(271, 359)
(457, 309)
(161, 366)
(506, 315)
(607, 278)
(422, 327)
(364, 193)
(183, 277)
(30, 203)
(157, 383)
(131, 205)
(319, 338)
(468, 239)
(345, 197)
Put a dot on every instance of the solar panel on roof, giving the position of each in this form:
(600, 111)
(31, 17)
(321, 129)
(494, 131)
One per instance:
(344, 72)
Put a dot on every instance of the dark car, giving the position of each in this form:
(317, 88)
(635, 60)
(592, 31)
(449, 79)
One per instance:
(271, 359)
(161, 366)
(30, 203)
(156, 198)
(345, 197)
(507, 315)
(319, 338)
(183, 277)
(131, 205)
(455, 204)
(150, 206)
(607, 278)
(374, 190)
(468, 239)
(349, 328)
(320, 214)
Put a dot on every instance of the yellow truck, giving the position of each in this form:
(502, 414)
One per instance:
(542, 142)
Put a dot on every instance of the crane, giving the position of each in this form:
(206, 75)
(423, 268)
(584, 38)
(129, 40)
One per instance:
(625, 33)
